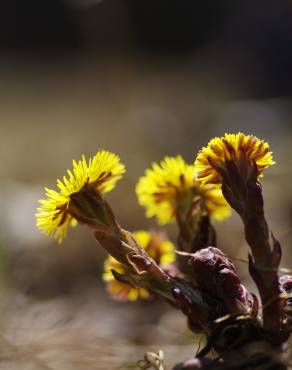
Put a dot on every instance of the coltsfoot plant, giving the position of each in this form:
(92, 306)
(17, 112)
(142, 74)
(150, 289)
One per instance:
(245, 330)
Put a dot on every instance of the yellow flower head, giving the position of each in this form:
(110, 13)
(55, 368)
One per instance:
(101, 172)
(157, 246)
(117, 289)
(232, 147)
(169, 187)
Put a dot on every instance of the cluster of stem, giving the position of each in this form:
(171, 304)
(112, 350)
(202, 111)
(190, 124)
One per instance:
(206, 286)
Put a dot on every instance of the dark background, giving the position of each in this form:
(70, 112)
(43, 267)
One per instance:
(246, 36)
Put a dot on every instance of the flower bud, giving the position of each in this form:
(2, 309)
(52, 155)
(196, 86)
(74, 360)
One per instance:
(215, 275)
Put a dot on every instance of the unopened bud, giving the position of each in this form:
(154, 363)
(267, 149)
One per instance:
(215, 274)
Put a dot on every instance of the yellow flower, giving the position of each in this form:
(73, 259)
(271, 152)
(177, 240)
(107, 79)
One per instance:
(169, 187)
(238, 148)
(101, 173)
(117, 289)
(157, 246)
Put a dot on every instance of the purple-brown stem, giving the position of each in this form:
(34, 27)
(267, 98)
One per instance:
(244, 194)
(195, 229)
(143, 271)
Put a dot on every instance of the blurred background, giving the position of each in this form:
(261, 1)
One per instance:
(143, 79)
